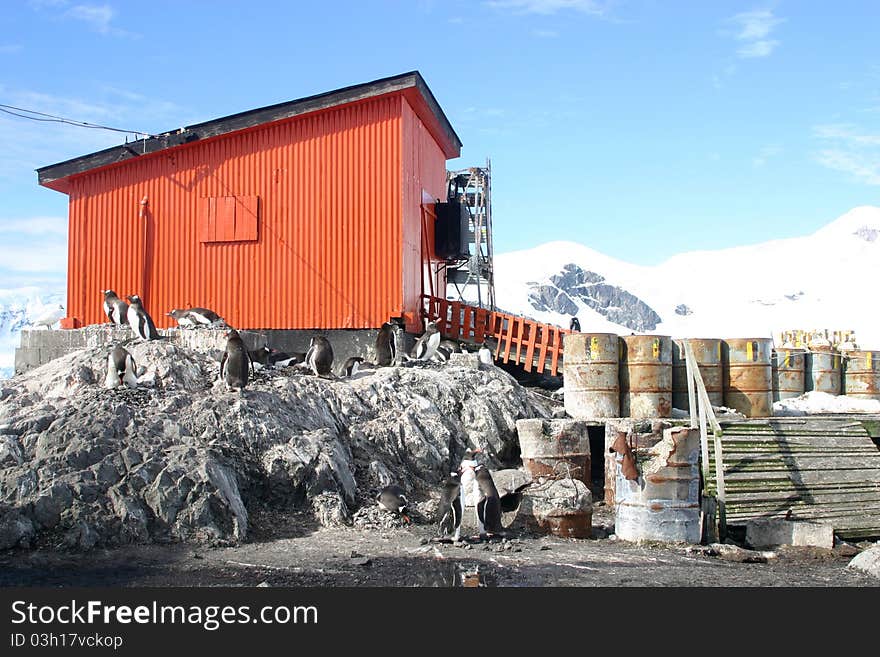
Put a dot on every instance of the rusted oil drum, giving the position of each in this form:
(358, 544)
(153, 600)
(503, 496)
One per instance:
(707, 352)
(646, 376)
(748, 375)
(590, 375)
(862, 374)
(663, 504)
(788, 373)
(823, 371)
(555, 448)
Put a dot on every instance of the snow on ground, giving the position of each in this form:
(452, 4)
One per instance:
(815, 403)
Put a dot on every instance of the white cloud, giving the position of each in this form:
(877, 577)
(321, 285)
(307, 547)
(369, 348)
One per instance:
(99, 18)
(753, 28)
(37, 256)
(862, 167)
(546, 7)
(757, 49)
(34, 226)
(850, 150)
(755, 25)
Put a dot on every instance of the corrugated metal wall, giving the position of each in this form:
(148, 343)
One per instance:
(424, 166)
(329, 252)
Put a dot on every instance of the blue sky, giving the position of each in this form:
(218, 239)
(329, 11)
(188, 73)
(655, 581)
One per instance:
(640, 128)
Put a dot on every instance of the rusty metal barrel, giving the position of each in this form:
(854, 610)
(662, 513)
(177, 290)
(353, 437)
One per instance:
(555, 448)
(663, 503)
(707, 352)
(646, 376)
(748, 375)
(862, 374)
(823, 371)
(788, 373)
(590, 375)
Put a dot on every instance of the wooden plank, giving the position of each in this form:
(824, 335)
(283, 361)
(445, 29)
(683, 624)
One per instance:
(455, 327)
(542, 355)
(554, 339)
(530, 350)
(508, 337)
(521, 324)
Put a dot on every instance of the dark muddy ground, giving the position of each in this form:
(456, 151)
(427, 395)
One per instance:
(291, 551)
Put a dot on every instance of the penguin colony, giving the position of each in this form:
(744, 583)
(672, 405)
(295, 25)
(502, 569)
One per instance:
(470, 486)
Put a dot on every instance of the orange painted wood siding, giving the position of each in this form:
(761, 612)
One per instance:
(335, 231)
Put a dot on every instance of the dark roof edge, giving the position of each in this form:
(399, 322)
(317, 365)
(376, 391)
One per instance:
(248, 119)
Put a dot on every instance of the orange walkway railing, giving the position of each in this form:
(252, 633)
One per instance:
(518, 339)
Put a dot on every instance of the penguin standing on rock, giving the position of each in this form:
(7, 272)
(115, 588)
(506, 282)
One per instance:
(489, 506)
(282, 359)
(450, 507)
(141, 322)
(115, 308)
(470, 492)
(319, 357)
(235, 362)
(426, 346)
(121, 368)
(393, 498)
(385, 347)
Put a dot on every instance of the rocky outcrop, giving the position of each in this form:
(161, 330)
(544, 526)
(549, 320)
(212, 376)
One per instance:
(574, 284)
(180, 458)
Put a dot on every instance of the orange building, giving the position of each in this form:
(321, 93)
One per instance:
(311, 214)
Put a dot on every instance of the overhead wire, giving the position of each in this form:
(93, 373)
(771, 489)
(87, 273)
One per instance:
(51, 118)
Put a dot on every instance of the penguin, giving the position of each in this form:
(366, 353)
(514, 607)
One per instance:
(470, 492)
(235, 362)
(393, 498)
(443, 354)
(115, 308)
(575, 325)
(196, 317)
(141, 322)
(489, 505)
(319, 357)
(121, 368)
(351, 366)
(49, 317)
(282, 359)
(451, 346)
(485, 354)
(450, 507)
(385, 347)
(426, 346)
(259, 358)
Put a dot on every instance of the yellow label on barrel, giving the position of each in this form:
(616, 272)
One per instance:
(656, 347)
(868, 359)
(785, 362)
(594, 348)
(750, 351)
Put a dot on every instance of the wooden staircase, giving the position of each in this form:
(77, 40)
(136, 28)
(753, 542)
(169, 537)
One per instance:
(530, 344)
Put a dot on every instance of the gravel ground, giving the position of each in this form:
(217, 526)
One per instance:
(294, 551)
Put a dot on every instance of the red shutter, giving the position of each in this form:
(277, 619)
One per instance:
(246, 219)
(228, 219)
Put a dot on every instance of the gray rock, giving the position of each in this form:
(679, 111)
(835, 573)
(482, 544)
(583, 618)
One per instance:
(16, 530)
(868, 562)
(183, 460)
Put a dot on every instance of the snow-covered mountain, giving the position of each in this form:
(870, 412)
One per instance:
(823, 280)
(20, 308)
